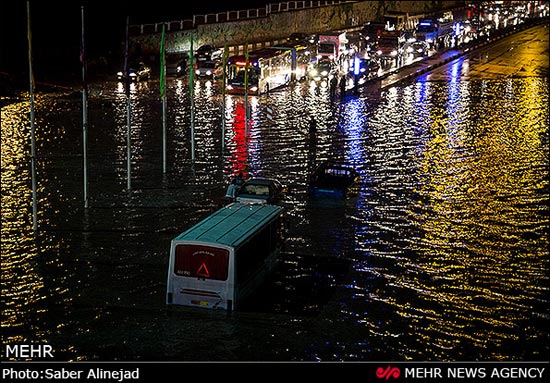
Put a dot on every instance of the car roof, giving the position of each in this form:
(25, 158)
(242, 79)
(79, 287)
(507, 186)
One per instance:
(207, 64)
(336, 165)
(205, 47)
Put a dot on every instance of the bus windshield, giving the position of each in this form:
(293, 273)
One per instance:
(326, 48)
(426, 28)
(201, 262)
(239, 77)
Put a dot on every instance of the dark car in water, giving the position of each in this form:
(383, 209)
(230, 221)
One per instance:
(208, 52)
(182, 66)
(136, 72)
(322, 69)
(334, 180)
(260, 190)
(417, 48)
(298, 37)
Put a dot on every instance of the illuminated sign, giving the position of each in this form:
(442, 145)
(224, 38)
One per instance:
(197, 261)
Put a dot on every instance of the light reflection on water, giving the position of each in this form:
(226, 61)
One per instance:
(446, 243)
(29, 291)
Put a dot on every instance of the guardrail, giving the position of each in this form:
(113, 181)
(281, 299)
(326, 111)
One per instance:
(221, 17)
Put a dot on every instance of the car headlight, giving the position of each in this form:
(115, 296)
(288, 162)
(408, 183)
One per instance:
(120, 74)
(208, 72)
(229, 86)
(313, 72)
(393, 53)
(178, 69)
(410, 50)
(197, 72)
(379, 52)
(254, 89)
(324, 73)
(132, 74)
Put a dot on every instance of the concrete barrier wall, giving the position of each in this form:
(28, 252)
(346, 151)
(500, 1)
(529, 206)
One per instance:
(277, 26)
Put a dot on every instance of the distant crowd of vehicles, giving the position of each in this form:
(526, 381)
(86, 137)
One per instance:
(358, 53)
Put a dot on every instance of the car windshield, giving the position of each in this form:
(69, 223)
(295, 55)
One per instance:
(209, 65)
(258, 190)
(332, 176)
(205, 49)
(252, 77)
(326, 48)
(324, 66)
(426, 28)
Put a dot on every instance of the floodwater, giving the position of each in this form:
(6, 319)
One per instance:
(443, 255)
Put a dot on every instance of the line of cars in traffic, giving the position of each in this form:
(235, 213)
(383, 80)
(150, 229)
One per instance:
(207, 63)
(358, 53)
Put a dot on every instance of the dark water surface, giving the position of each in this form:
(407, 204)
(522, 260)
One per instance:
(443, 256)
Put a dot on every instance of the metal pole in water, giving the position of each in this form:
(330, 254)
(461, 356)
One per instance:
(84, 112)
(224, 80)
(128, 111)
(33, 141)
(163, 98)
(191, 97)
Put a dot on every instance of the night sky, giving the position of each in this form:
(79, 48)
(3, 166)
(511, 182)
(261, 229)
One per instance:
(56, 30)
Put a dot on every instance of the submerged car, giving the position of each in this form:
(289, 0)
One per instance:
(334, 180)
(260, 190)
(136, 73)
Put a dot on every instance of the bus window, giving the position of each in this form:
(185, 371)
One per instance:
(252, 254)
(201, 262)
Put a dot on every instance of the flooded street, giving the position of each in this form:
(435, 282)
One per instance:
(443, 255)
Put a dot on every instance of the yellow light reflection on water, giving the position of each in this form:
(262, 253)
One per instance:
(478, 194)
(21, 283)
(24, 288)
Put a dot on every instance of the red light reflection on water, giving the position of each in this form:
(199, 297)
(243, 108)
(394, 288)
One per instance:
(239, 158)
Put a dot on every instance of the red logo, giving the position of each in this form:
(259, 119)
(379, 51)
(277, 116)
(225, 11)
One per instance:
(388, 372)
(203, 271)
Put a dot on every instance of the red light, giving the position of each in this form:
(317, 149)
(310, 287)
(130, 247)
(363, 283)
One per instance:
(241, 63)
